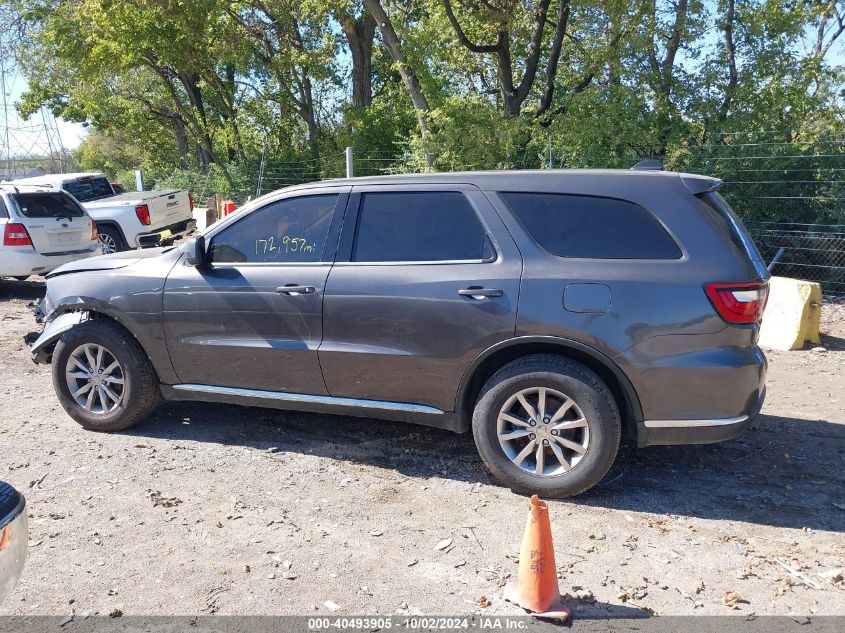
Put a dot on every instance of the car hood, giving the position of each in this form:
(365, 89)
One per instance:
(109, 262)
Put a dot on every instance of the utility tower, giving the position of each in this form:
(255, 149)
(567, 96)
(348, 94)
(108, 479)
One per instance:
(27, 146)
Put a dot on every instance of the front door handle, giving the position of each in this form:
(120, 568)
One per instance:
(477, 292)
(293, 289)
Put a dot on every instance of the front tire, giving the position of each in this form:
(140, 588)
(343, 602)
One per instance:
(547, 425)
(102, 376)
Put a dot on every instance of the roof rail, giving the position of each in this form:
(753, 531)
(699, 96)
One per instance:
(649, 164)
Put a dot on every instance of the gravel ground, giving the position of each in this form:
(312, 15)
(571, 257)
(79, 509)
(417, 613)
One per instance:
(217, 509)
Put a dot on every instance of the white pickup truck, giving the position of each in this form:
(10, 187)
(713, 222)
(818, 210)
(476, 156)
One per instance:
(135, 219)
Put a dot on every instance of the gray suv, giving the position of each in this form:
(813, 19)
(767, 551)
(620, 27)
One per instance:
(550, 311)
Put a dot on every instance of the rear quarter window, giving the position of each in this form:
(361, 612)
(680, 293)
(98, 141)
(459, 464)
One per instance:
(591, 227)
(3, 212)
(730, 224)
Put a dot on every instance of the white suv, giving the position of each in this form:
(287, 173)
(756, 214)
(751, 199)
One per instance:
(42, 229)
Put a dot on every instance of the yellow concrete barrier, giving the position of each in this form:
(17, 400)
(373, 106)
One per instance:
(792, 315)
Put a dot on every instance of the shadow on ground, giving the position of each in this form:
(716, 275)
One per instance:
(833, 343)
(32, 290)
(783, 472)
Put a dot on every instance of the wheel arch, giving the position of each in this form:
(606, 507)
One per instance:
(495, 357)
(83, 309)
(112, 225)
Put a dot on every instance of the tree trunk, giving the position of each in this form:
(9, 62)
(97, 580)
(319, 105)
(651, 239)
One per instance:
(181, 137)
(360, 33)
(730, 53)
(409, 77)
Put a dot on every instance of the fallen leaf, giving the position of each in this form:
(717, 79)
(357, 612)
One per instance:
(597, 537)
(115, 613)
(484, 602)
(446, 542)
(732, 599)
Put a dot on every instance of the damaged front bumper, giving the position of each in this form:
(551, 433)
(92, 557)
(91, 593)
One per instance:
(41, 344)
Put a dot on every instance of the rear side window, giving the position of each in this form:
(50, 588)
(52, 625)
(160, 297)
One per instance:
(3, 212)
(89, 189)
(730, 223)
(48, 205)
(285, 231)
(591, 227)
(419, 226)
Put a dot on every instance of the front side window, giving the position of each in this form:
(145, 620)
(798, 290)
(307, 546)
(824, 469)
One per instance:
(591, 227)
(48, 205)
(286, 231)
(419, 226)
(88, 189)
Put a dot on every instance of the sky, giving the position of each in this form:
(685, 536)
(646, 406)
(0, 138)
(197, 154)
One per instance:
(71, 134)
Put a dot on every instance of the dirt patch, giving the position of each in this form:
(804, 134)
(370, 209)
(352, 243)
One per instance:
(220, 509)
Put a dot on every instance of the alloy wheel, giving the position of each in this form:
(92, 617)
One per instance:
(543, 431)
(95, 378)
(107, 243)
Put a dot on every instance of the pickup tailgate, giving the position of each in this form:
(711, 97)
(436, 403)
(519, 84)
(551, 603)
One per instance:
(167, 207)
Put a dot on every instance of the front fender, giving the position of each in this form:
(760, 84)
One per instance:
(42, 348)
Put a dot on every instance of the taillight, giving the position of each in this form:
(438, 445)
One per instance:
(739, 302)
(191, 201)
(16, 235)
(94, 235)
(143, 213)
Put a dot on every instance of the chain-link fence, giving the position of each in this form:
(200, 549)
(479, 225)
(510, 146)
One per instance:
(790, 194)
(804, 251)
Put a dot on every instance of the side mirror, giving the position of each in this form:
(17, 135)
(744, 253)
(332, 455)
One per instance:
(195, 250)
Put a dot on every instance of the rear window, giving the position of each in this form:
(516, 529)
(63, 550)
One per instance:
(48, 205)
(730, 223)
(591, 227)
(87, 189)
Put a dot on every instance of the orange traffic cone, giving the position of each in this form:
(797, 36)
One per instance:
(536, 588)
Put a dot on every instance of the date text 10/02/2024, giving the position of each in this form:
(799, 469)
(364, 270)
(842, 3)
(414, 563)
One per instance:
(427, 623)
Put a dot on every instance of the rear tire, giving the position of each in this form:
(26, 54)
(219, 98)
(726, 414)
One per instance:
(578, 432)
(122, 386)
(111, 240)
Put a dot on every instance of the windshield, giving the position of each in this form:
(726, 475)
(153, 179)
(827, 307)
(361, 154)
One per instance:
(86, 189)
(47, 205)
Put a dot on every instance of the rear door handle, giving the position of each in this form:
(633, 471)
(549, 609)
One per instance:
(293, 289)
(477, 292)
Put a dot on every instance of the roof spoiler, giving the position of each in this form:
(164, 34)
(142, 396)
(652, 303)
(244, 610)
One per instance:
(697, 184)
(649, 164)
